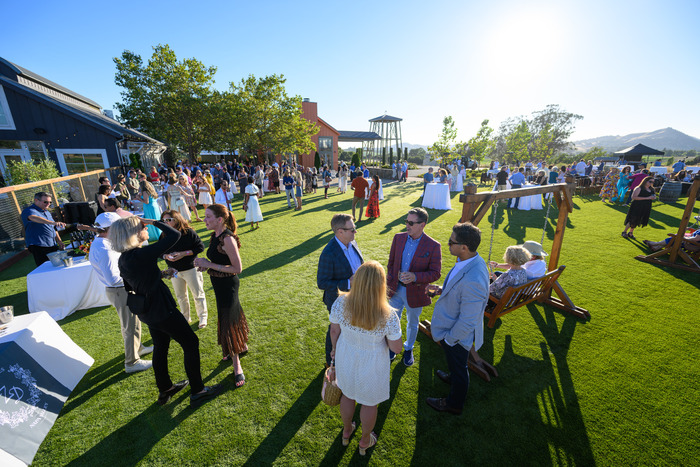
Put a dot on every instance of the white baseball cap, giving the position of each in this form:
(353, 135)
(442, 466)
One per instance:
(106, 219)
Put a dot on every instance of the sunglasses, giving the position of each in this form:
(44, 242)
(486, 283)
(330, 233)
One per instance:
(412, 223)
(353, 230)
(450, 242)
(46, 202)
(168, 219)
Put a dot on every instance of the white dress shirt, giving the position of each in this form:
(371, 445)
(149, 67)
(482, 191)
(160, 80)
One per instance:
(105, 262)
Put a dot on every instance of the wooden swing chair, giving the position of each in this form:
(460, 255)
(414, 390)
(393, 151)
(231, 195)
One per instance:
(674, 249)
(475, 207)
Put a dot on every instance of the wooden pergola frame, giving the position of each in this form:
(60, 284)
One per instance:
(673, 249)
(476, 205)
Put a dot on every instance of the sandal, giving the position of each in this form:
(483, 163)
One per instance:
(372, 442)
(632, 237)
(239, 379)
(226, 358)
(346, 441)
(624, 234)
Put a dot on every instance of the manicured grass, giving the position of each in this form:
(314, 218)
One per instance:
(620, 388)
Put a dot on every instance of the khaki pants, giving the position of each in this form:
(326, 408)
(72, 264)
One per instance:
(130, 324)
(193, 280)
(356, 200)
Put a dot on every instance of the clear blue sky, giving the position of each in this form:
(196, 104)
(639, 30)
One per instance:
(626, 66)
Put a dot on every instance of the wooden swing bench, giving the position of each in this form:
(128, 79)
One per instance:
(515, 297)
(475, 206)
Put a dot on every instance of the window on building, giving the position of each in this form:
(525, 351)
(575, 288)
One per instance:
(75, 161)
(36, 150)
(6, 122)
(325, 143)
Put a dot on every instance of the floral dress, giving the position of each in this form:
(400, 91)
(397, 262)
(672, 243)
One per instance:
(609, 190)
(510, 278)
(373, 204)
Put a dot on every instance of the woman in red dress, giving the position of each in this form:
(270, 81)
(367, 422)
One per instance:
(373, 203)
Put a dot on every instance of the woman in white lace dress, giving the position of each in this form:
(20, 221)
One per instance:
(363, 329)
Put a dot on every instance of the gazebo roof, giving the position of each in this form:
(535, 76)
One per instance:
(386, 118)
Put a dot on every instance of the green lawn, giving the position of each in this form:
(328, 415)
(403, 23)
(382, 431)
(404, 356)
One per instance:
(621, 388)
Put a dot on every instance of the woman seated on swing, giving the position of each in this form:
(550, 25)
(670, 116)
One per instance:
(515, 257)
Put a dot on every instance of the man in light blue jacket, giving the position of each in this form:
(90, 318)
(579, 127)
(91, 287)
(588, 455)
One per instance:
(458, 317)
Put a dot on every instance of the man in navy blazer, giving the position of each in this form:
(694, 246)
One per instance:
(337, 265)
(458, 317)
(414, 262)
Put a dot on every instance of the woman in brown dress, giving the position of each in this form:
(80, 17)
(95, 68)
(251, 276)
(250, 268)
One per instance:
(224, 265)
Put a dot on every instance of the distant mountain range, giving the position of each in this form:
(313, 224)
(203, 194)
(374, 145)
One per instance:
(668, 138)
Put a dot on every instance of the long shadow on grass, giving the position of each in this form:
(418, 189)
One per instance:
(528, 415)
(288, 256)
(288, 426)
(336, 452)
(129, 444)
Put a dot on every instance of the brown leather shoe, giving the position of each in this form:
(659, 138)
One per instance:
(444, 376)
(440, 404)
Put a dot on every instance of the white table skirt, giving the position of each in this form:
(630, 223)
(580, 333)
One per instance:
(437, 196)
(658, 170)
(526, 203)
(381, 189)
(61, 291)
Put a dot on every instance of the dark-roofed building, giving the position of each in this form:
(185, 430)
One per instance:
(39, 119)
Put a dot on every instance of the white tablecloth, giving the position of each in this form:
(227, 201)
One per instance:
(381, 189)
(658, 170)
(40, 366)
(526, 203)
(437, 196)
(61, 291)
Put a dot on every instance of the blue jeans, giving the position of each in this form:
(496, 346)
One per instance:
(399, 302)
(457, 357)
(517, 200)
(290, 196)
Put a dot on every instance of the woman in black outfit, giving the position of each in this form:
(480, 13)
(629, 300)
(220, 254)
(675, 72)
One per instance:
(181, 257)
(138, 267)
(223, 266)
(640, 209)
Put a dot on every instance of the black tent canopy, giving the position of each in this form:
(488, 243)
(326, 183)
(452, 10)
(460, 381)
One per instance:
(637, 151)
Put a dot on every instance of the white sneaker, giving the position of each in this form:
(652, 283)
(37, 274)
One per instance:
(140, 365)
(145, 351)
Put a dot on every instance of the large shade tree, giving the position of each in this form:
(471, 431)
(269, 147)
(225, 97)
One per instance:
(171, 100)
(267, 120)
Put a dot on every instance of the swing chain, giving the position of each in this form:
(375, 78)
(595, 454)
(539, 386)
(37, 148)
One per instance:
(493, 230)
(546, 218)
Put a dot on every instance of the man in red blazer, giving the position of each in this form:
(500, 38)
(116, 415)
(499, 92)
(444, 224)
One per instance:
(414, 262)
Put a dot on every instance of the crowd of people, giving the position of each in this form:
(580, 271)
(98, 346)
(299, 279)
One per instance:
(365, 303)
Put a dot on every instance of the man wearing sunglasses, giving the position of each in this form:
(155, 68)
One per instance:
(40, 232)
(414, 262)
(337, 265)
(458, 318)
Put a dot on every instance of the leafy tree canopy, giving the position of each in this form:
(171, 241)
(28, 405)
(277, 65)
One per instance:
(168, 99)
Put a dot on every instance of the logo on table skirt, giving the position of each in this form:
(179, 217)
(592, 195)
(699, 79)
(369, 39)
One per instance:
(19, 397)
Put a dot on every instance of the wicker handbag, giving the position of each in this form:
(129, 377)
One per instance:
(330, 393)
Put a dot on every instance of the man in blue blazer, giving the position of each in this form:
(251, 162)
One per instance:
(337, 265)
(458, 317)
